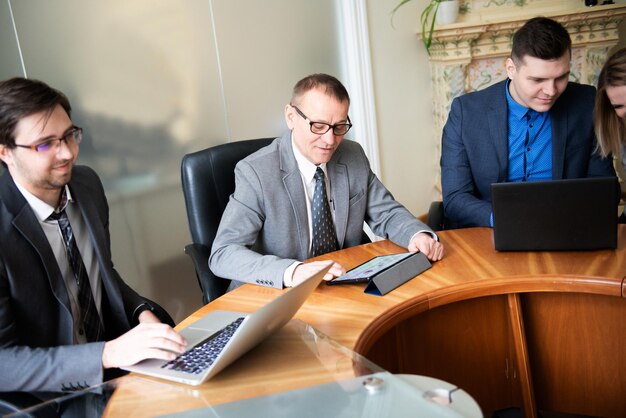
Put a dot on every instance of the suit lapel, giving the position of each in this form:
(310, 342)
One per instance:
(292, 182)
(89, 212)
(87, 201)
(338, 177)
(559, 139)
(498, 129)
(27, 224)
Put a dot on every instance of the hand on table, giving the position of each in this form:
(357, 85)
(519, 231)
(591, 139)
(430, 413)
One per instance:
(306, 270)
(427, 245)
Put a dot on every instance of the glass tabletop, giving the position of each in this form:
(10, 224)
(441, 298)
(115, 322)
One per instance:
(298, 371)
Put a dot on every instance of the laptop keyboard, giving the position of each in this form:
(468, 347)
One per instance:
(199, 358)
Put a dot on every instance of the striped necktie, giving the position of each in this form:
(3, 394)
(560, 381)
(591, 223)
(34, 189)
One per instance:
(92, 325)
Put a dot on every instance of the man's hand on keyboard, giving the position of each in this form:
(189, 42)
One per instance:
(206, 352)
(146, 340)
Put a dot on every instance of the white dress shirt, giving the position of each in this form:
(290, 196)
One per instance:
(307, 174)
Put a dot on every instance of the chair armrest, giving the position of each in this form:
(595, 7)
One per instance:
(435, 216)
(11, 402)
(212, 286)
(199, 254)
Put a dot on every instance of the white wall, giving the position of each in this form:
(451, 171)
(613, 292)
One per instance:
(403, 102)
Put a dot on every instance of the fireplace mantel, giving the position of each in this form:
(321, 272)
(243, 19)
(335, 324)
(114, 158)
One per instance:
(470, 54)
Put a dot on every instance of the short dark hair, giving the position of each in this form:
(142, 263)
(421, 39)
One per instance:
(22, 97)
(541, 38)
(328, 83)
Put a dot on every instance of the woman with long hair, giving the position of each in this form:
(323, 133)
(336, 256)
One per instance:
(609, 116)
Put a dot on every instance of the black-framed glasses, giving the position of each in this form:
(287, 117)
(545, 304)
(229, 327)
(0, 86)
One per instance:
(320, 128)
(71, 137)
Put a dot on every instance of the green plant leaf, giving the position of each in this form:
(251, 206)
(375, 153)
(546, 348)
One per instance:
(393, 12)
(427, 19)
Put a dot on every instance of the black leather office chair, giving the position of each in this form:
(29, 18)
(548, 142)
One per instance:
(208, 178)
(13, 402)
(436, 220)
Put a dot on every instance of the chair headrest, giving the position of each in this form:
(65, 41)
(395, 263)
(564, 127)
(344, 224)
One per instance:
(208, 179)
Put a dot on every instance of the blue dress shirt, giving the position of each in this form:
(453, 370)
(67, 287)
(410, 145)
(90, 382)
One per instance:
(530, 143)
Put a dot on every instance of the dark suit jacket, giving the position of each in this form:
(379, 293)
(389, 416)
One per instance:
(265, 229)
(475, 148)
(36, 329)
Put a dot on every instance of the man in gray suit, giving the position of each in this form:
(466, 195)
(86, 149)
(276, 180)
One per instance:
(535, 125)
(270, 225)
(66, 316)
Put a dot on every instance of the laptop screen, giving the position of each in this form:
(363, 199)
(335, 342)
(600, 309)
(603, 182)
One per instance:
(573, 214)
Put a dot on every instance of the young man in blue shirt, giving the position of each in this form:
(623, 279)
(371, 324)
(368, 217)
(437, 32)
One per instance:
(535, 125)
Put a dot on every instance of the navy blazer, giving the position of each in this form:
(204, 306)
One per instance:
(36, 329)
(474, 150)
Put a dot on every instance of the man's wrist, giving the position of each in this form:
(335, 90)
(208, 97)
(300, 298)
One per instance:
(427, 232)
(288, 275)
(141, 308)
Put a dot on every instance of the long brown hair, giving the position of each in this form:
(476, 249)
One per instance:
(610, 129)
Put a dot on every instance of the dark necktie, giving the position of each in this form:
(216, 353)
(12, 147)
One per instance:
(90, 319)
(526, 142)
(324, 235)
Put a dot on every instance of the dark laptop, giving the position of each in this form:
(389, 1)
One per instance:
(573, 214)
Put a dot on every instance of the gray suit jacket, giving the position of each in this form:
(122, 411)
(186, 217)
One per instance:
(36, 329)
(474, 150)
(265, 229)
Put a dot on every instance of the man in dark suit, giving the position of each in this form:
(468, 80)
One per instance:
(66, 316)
(532, 126)
(270, 223)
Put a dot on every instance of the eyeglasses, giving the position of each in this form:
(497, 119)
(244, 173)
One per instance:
(73, 136)
(320, 128)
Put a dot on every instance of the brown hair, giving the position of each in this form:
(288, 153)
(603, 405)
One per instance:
(328, 83)
(21, 97)
(610, 130)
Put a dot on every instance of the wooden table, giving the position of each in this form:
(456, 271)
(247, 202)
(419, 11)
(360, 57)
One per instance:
(295, 357)
(538, 330)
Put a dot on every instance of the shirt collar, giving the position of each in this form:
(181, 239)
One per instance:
(42, 209)
(516, 110)
(306, 167)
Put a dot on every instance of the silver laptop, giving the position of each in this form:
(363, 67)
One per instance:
(219, 338)
(573, 214)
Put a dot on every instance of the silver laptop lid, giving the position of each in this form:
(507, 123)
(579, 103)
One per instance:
(255, 328)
